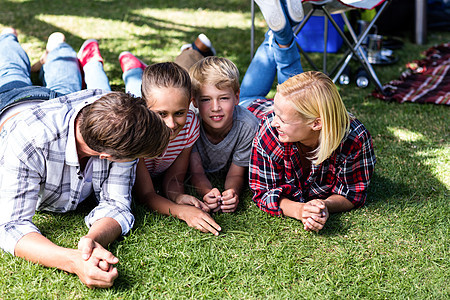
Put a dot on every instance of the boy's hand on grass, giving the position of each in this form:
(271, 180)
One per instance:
(314, 215)
(191, 200)
(96, 267)
(230, 201)
(200, 220)
(213, 199)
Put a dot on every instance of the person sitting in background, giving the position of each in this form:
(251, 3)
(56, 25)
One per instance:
(56, 152)
(278, 54)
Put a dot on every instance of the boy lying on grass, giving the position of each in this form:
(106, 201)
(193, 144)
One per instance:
(226, 132)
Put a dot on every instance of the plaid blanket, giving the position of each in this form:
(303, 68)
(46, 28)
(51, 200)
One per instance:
(425, 81)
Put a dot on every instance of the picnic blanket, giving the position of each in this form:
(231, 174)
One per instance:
(425, 81)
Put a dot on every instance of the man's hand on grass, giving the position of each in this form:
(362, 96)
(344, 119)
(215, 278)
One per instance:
(95, 268)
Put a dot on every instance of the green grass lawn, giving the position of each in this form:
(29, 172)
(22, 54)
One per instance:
(395, 247)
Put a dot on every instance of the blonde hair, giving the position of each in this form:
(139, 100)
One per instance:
(213, 70)
(314, 95)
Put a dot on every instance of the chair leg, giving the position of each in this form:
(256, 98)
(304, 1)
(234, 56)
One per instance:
(325, 42)
(362, 58)
(252, 31)
(297, 29)
(354, 49)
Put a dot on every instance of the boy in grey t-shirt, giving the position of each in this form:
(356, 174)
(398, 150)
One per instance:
(226, 132)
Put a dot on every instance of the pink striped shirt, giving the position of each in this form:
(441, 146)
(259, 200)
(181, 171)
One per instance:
(185, 139)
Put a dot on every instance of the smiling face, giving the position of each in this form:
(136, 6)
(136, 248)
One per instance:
(291, 126)
(172, 105)
(216, 108)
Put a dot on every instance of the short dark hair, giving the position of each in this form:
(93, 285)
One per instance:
(164, 75)
(122, 126)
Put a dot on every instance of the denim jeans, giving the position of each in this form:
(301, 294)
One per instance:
(133, 81)
(60, 74)
(269, 60)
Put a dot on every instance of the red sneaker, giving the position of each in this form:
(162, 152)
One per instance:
(89, 51)
(128, 61)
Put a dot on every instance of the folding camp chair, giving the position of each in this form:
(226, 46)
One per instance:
(328, 7)
(354, 49)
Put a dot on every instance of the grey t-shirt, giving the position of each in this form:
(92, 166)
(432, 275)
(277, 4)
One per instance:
(235, 147)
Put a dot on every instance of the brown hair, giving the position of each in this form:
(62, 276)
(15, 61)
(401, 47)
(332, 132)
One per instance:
(122, 126)
(314, 95)
(218, 71)
(164, 75)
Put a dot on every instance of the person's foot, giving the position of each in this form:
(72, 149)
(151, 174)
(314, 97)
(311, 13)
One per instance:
(294, 10)
(128, 61)
(55, 39)
(202, 44)
(9, 30)
(89, 51)
(273, 13)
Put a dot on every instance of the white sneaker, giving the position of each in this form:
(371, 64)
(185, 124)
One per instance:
(9, 30)
(295, 10)
(207, 42)
(185, 46)
(273, 13)
(54, 40)
(205, 45)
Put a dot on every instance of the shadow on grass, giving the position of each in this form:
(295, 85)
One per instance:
(401, 176)
(24, 16)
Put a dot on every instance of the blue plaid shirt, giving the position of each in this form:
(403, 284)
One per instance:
(39, 170)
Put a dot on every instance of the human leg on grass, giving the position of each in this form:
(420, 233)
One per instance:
(277, 54)
(60, 72)
(15, 82)
(91, 62)
(132, 68)
(14, 62)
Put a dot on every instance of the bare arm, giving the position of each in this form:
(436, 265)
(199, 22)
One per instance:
(192, 215)
(211, 196)
(198, 176)
(337, 203)
(92, 263)
(314, 213)
(173, 182)
(233, 186)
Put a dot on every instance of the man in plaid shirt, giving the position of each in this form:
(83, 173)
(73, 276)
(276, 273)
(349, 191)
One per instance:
(56, 153)
(310, 157)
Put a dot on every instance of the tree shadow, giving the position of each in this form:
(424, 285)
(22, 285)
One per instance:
(25, 16)
(409, 140)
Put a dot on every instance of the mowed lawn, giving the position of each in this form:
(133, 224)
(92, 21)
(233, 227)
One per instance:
(395, 247)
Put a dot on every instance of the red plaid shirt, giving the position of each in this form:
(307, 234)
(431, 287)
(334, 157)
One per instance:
(275, 168)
